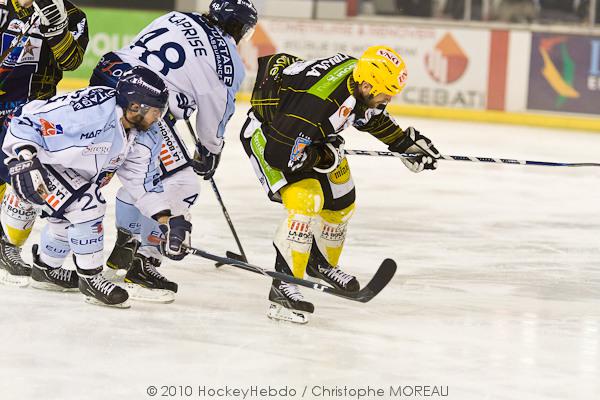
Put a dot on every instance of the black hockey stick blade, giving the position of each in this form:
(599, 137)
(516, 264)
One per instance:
(235, 256)
(382, 277)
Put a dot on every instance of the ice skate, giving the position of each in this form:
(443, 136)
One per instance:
(145, 283)
(288, 304)
(100, 291)
(47, 278)
(318, 267)
(13, 270)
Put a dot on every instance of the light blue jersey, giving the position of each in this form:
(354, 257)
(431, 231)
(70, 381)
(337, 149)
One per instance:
(200, 65)
(80, 140)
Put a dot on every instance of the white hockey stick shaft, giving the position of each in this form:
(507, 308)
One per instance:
(492, 160)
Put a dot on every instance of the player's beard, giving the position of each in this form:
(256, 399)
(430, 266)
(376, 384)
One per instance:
(138, 122)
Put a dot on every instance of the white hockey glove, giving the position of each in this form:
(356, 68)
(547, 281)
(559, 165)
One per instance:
(53, 16)
(28, 177)
(414, 142)
(177, 231)
(205, 163)
(332, 155)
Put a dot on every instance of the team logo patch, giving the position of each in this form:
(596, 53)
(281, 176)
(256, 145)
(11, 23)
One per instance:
(50, 129)
(390, 56)
(97, 227)
(297, 154)
(104, 178)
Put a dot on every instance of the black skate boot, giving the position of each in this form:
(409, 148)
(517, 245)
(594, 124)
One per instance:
(144, 282)
(122, 254)
(45, 277)
(13, 270)
(318, 267)
(287, 303)
(100, 291)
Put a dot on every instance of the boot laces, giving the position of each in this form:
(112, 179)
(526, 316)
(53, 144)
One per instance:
(101, 284)
(61, 274)
(13, 253)
(291, 291)
(149, 267)
(337, 275)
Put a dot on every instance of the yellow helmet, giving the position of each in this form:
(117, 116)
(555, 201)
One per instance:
(383, 68)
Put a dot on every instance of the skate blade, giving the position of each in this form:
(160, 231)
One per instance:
(51, 287)
(140, 293)
(93, 301)
(278, 312)
(13, 280)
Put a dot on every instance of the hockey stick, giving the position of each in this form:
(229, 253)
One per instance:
(382, 277)
(24, 31)
(472, 159)
(230, 254)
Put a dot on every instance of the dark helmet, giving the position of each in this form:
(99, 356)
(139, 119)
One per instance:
(142, 86)
(234, 17)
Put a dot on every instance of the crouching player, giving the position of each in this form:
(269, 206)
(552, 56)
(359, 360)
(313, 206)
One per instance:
(59, 154)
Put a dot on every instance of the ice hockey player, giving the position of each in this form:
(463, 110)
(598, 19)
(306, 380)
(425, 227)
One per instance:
(55, 42)
(59, 154)
(203, 72)
(292, 136)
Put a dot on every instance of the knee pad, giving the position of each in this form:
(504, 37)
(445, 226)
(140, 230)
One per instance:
(86, 240)
(128, 217)
(54, 245)
(17, 218)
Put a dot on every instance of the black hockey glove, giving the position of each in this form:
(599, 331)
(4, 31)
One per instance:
(414, 142)
(331, 155)
(28, 177)
(205, 163)
(177, 232)
(53, 16)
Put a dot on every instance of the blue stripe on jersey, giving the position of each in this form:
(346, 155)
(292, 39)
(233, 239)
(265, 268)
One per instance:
(223, 61)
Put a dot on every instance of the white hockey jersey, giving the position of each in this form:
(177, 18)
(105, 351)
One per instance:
(200, 65)
(80, 140)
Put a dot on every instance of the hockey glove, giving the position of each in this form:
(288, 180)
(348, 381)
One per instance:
(414, 142)
(331, 155)
(28, 177)
(205, 163)
(177, 232)
(53, 16)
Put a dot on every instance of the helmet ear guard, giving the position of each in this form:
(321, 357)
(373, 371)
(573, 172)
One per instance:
(383, 69)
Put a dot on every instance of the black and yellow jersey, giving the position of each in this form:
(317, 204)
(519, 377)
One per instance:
(302, 104)
(33, 68)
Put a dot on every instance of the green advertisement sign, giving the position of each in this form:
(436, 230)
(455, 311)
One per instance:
(109, 29)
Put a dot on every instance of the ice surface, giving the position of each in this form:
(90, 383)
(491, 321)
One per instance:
(497, 294)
